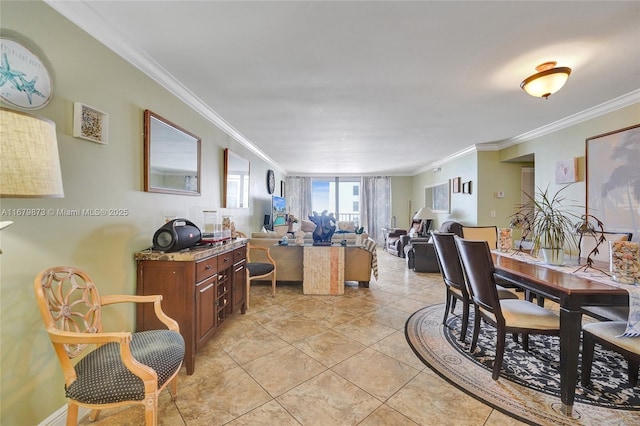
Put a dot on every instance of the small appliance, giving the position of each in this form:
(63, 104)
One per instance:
(176, 235)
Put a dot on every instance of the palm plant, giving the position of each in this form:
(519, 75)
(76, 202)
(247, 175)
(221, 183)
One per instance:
(548, 221)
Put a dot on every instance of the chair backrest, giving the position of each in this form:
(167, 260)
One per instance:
(482, 233)
(478, 268)
(449, 260)
(68, 301)
(588, 242)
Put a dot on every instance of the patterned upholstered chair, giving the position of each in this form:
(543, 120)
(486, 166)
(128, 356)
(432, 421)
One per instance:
(118, 368)
(264, 267)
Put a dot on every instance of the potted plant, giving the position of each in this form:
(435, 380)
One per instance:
(549, 222)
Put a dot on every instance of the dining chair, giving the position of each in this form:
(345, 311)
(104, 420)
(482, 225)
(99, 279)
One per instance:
(607, 334)
(266, 268)
(587, 243)
(453, 277)
(507, 316)
(482, 233)
(115, 368)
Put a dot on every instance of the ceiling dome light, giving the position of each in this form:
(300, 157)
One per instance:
(547, 81)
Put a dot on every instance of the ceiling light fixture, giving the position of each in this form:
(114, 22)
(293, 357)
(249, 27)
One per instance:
(547, 81)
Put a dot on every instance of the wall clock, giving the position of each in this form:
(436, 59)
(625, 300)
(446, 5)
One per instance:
(24, 80)
(271, 181)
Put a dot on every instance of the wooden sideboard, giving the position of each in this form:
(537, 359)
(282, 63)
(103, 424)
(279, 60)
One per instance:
(201, 289)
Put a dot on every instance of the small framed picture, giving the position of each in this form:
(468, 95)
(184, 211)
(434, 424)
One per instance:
(455, 185)
(466, 187)
(90, 124)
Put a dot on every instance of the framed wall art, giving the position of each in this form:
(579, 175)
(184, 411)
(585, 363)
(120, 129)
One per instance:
(438, 197)
(566, 171)
(613, 185)
(466, 187)
(455, 185)
(90, 124)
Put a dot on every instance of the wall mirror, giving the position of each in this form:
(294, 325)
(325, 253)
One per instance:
(171, 157)
(236, 181)
(437, 197)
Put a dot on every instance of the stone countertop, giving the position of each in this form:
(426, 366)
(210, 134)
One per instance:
(192, 254)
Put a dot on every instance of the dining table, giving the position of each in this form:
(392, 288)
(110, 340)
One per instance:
(571, 291)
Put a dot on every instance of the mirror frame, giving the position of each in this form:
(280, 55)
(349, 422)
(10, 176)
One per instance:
(179, 135)
(230, 156)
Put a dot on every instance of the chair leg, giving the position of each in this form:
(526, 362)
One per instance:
(453, 304)
(173, 387)
(151, 410)
(633, 372)
(446, 306)
(273, 285)
(497, 363)
(465, 320)
(476, 329)
(247, 291)
(587, 358)
(72, 414)
(525, 342)
(93, 415)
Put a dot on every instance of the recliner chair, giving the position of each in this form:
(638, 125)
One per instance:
(397, 239)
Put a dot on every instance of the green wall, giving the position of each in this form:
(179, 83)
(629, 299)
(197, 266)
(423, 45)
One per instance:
(94, 176)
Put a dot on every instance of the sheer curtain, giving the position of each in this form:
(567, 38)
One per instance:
(375, 210)
(298, 196)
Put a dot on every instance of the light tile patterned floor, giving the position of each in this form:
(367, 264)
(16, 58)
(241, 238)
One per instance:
(320, 360)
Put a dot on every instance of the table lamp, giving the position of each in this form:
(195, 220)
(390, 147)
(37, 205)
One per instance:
(425, 215)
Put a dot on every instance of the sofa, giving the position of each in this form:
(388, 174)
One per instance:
(358, 260)
(420, 252)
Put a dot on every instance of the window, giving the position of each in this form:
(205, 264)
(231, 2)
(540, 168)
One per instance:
(338, 195)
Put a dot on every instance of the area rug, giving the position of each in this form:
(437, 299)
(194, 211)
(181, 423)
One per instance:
(529, 385)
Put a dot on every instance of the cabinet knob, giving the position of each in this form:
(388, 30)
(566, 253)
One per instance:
(207, 267)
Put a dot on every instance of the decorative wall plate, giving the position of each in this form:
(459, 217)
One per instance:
(24, 80)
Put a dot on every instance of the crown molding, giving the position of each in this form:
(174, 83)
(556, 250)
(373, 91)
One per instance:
(588, 114)
(93, 24)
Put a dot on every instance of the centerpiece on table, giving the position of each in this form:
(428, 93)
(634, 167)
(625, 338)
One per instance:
(549, 222)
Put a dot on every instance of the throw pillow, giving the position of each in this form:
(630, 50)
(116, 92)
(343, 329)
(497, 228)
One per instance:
(348, 226)
(307, 226)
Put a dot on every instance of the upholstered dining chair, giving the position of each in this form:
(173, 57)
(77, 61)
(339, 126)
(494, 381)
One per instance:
(507, 316)
(482, 233)
(453, 277)
(265, 268)
(118, 368)
(606, 334)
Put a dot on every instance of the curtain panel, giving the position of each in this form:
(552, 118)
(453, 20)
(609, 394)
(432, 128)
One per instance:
(375, 206)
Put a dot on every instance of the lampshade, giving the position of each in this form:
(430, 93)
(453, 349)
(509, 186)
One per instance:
(423, 214)
(547, 81)
(29, 156)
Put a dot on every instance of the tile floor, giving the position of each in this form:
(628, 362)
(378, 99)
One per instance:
(320, 360)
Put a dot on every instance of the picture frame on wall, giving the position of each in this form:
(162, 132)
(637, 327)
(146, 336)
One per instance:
(611, 164)
(438, 197)
(456, 184)
(566, 171)
(90, 123)
(466, 187)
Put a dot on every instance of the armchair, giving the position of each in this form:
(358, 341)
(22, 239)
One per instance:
(120, 368)
(397, 239)
(420, 252)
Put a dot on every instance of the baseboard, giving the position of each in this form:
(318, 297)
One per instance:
(59, 417)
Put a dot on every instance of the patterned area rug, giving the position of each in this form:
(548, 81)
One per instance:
(529, 384)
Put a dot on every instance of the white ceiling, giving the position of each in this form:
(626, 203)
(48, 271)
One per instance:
(375, 87)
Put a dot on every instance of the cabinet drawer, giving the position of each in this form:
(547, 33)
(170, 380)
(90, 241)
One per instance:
(225, 260)
(239, 254)
(206, 268)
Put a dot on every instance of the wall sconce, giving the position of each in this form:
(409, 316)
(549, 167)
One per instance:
(547, 81)
(29, 154)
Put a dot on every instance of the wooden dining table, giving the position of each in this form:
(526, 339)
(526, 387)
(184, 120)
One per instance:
(571, 292)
